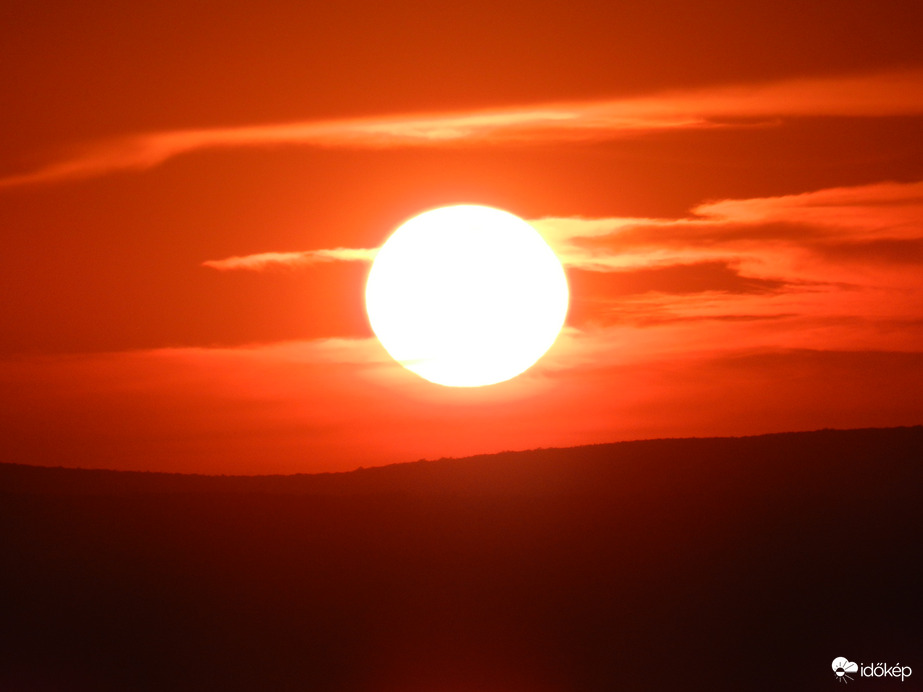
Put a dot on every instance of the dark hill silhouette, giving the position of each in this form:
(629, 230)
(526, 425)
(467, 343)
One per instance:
(724, 564)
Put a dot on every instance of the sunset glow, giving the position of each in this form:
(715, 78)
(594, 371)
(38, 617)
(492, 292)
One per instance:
(192, 204)
(495, 346)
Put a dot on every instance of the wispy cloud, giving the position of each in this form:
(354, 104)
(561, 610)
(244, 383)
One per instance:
(881, 223)
(761, 236)
(876, 95)
(271, 260)
(826, 269)
(835, 267)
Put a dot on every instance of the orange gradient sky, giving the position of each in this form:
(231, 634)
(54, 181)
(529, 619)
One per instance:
(191, 195)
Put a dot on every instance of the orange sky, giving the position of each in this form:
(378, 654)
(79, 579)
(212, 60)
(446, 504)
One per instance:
(190, 195)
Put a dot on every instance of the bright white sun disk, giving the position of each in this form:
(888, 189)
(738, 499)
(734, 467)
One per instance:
(466, 296)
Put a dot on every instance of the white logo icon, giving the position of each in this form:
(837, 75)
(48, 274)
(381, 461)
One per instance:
(841, 666)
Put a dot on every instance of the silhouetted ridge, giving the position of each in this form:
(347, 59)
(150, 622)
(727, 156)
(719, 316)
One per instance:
(716, 564)
(868, 456)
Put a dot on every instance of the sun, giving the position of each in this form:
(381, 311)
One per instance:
(466, 296)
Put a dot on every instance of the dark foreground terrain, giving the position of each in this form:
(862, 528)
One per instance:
(703, 564)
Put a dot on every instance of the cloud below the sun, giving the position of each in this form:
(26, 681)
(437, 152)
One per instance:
(886, 94)
(331, 405)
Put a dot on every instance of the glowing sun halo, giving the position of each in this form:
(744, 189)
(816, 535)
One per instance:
(466, 296)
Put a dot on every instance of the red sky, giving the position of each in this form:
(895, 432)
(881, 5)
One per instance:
(190, 193)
